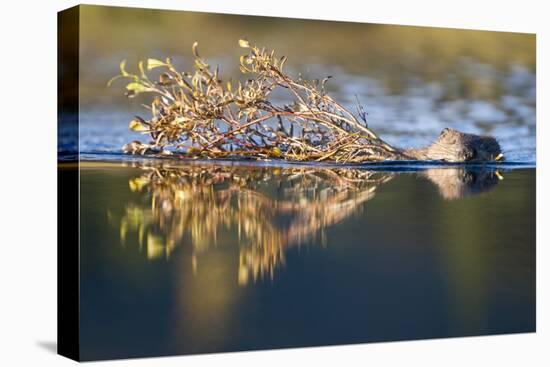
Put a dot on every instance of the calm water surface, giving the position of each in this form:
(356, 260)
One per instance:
(209, 257)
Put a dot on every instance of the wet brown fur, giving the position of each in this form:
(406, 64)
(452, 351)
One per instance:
(455, 146)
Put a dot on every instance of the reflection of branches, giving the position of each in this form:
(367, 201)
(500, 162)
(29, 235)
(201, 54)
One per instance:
(268, 209)
(200, 202)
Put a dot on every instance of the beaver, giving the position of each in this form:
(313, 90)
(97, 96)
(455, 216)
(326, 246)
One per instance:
(455, 146)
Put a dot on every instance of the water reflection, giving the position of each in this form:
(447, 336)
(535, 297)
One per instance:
(265, 210)
(457, 183)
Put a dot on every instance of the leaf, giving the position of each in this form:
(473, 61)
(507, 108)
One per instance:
(113, 79)
(137, 125)
(179, 120)
(154, 63)
(201, 65)
(137, 87)
(244, 43)
(276, 152)
(195, 50)
(283, 60)
(325, 80)
(140, 66)
(165, 79)
(123, 68)
(123, 73)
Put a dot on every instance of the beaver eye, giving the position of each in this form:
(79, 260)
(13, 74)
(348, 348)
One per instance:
(468, 154)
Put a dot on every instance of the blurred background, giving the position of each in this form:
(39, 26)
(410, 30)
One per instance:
(413, 81)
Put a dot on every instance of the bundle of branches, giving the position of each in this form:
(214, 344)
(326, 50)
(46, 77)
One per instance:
(200, 115)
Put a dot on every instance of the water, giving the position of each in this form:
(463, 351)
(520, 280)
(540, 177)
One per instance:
(212, 257)
(185, 256)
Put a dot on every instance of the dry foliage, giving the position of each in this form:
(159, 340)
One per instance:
(200, 115)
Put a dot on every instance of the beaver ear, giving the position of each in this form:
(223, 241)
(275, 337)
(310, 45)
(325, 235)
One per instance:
(444, 131)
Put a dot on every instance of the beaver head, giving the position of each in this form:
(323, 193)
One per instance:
(455, 146)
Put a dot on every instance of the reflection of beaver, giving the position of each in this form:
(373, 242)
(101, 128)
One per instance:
(456, 183)
(455, 146)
